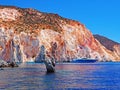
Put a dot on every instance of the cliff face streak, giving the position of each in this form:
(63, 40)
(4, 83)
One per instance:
(24, 31)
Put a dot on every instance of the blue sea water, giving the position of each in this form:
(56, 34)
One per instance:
(68, 76)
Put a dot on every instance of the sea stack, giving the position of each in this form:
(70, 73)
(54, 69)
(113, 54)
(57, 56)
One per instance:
(48, 61)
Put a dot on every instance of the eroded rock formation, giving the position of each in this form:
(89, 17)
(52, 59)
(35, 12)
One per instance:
(24, 31)
(48, 61)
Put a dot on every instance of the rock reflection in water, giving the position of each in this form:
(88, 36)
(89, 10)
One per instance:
(67, 76)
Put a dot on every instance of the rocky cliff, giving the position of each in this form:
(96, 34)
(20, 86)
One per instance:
(24, 31)
(107, 43)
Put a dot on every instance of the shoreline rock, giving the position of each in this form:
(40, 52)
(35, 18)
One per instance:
(7, 64)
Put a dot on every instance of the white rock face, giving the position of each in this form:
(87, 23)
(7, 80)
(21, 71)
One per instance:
(7, 14)
(63, 39)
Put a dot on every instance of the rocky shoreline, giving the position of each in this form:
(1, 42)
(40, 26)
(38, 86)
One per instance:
(7, 64)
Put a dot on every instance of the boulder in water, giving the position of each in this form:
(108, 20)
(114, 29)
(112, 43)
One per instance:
(3, 63)
(7, 64)
(12, 64)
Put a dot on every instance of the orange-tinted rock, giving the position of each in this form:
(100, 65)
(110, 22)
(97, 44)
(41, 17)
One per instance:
(24, 33)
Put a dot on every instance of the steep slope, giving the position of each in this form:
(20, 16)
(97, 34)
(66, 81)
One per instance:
(109, 44)
(24, 31)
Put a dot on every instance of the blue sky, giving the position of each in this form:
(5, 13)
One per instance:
(99, 16)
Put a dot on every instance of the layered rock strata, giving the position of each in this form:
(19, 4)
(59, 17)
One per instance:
(24, 31)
